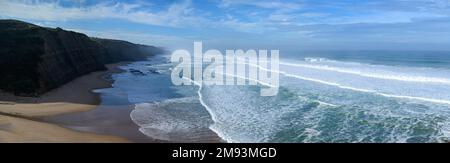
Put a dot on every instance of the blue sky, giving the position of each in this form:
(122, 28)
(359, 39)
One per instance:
(257, 24)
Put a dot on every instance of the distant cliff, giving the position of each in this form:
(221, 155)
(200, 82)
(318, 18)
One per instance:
(34, 59)
(118, 50)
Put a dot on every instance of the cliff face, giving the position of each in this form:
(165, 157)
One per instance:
(67, 56)
(34, 59)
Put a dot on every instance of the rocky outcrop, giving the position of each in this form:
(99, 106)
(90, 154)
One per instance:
(35, 59)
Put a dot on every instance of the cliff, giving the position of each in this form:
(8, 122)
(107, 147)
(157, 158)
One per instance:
(34, 59)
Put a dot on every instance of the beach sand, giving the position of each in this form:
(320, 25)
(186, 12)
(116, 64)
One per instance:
(19, 130)
(20, 117)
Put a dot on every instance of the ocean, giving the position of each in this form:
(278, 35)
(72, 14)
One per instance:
(331, 97)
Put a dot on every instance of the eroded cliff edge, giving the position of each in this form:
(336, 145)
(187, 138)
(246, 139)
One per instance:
(34, 59)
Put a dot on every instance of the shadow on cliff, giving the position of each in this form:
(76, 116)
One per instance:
(78, 91)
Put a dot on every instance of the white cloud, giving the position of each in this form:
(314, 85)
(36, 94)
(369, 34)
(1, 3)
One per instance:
(167, 41)
(249, 27)
(175, 15)
(280, 17)
(269, 4)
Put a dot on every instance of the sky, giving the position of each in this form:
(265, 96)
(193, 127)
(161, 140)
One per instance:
(291, 26)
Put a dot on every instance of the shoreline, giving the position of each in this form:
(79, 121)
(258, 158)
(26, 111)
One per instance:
(112, 116)
(105, 119)
(76, 113)
(22, 118)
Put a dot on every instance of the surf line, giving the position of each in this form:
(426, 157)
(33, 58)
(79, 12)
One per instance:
(208, 109)
(359, 89)
(418, 79)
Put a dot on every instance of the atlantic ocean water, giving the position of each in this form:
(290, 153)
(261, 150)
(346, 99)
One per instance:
(358, 96)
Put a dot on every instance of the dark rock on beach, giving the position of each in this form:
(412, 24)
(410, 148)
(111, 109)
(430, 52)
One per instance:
(136, 72)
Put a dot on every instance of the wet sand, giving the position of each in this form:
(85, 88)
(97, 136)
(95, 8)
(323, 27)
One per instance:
(112, 117)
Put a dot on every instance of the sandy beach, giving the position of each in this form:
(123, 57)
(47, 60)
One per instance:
(20, 117)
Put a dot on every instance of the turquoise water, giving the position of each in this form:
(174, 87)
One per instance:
(323, 97)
